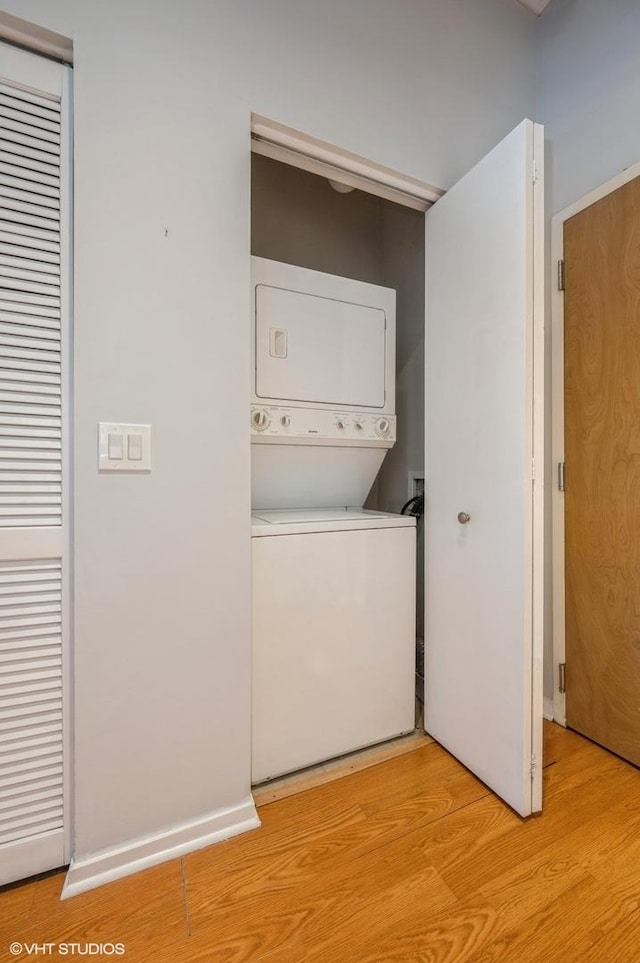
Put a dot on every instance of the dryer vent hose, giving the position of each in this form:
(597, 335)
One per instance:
(415, 506)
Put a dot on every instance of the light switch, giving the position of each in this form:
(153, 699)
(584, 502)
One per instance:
(114, 446)
(124, 448)
(134, 446)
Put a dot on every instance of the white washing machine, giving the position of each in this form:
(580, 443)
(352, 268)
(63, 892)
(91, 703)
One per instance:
(333, 608)
(333, 585)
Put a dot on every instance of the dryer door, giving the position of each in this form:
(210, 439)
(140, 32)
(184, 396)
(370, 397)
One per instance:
(318, 350)
(320, 340)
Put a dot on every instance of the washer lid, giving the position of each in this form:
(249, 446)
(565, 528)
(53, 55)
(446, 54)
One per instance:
(301, 521)
(286, 517)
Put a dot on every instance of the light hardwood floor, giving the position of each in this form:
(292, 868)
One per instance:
(411, 860)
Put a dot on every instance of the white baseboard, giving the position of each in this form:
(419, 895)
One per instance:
(547, 708)
(111, 864)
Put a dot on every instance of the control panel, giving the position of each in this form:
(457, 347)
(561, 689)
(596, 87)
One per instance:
(304, 425)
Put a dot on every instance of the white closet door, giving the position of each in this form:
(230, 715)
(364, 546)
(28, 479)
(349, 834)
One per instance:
(483, 599)
(34, 265)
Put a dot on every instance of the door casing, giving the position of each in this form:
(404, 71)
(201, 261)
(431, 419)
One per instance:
(557, 425)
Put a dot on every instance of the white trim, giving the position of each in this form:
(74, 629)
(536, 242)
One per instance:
(557, 421)
(557, 456)
(34, 38)
(538, 460)
(547, 709)
(529, 540)
(30, 72)
(68, 421)
(628, 174)
(138, 854)
(290, 146)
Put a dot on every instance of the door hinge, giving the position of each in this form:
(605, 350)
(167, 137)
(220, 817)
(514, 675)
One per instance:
(533, 766)
(534, 172)
(562, 677)
(560, 275)
(562, 476)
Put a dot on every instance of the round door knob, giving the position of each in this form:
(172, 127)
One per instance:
(383, 427)
(464, 517)
(260, 419)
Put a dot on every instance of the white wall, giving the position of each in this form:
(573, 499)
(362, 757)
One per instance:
(588, 90)
(163, 90)
(425, 86)
(161, 562)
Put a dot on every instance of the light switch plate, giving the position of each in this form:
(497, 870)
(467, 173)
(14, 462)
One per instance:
(139, 445)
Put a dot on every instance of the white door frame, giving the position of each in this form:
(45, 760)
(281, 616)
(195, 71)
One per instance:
(290, 146)
(68, 423)
(557, 425)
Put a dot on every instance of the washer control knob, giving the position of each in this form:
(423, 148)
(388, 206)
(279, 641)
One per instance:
(285, 421)
(340, 424)
(260, 419)
(358, 426)
(383, 427)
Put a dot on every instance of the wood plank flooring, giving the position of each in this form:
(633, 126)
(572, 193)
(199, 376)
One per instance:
(410, 861)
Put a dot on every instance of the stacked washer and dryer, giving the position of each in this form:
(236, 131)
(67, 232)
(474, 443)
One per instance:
(333, 593)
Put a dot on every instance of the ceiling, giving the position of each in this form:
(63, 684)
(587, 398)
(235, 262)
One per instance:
(536, 5)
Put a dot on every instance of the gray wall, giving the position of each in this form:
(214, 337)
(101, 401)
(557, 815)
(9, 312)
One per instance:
(298, 218)
(163, 93)
(424, 86)
(588, 91)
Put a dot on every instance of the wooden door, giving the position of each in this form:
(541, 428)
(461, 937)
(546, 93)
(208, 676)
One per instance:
(602, 454)
(483, 388)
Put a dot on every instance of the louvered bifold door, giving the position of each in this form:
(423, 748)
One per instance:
(34, 266)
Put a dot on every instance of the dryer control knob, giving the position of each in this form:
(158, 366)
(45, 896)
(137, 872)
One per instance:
(260, 419)
(358, 425)
(285, 421)
(340, 424)
(383, 427)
